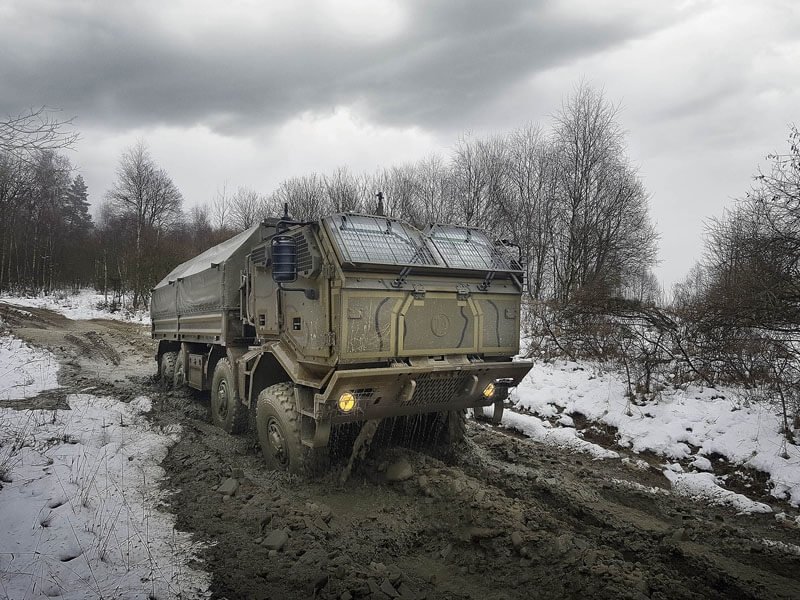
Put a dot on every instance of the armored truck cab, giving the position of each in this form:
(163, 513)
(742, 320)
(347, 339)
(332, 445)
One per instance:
(349, 318)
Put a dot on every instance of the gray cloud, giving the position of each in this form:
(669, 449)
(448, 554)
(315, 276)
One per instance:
(121, 66)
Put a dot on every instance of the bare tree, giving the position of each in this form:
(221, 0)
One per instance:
(147, 195)
(221, 208)
(35, 130)
(529, 205)
(434, 191)
(247, 208)
(345, 192)
(306, 197)
(478, 169)
(600, 229)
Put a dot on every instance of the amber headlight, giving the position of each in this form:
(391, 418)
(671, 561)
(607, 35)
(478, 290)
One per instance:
(488, 391)
(347, 402)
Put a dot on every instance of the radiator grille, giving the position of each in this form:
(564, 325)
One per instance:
(436, 389)
(259, 256)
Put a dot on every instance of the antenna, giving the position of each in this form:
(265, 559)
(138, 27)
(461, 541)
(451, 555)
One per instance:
(285, 210)
(380, 212)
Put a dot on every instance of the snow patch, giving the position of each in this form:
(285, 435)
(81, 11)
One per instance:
(635, 485)
(80, 506)
(562, 437)
(704, 486)
(782, 546)
(701, 463)
(83, 305)
(25, 371)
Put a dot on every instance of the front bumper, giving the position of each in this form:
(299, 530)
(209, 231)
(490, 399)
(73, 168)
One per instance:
(426, 385)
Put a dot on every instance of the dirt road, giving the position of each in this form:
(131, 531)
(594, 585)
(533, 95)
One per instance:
(502, 517)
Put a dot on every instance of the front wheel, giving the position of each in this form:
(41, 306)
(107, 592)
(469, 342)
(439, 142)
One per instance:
(227, 411)
(278, 424)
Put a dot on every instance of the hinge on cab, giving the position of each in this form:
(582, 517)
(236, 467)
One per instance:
(330, 338)
(462, 292)
(419, 292)
(328, 270)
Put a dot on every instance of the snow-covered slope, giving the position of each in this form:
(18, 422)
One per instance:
(83, 305)
(692, 423)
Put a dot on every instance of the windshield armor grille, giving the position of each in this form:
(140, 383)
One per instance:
(365, 239)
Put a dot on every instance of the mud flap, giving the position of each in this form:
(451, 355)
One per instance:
(315, 434)
(496, 417)
(497, 414)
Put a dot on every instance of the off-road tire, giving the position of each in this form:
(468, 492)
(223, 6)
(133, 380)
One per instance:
(278, 426)
(179, 376)
(166, 369)
(227, 411)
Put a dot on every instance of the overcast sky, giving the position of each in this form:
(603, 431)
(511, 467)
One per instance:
(252, 92)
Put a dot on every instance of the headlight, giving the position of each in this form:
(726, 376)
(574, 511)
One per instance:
(347, 402)
(488, 391)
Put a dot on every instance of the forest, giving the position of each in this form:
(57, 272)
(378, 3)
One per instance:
(566, 193)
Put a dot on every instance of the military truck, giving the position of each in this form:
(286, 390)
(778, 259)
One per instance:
(351, 318)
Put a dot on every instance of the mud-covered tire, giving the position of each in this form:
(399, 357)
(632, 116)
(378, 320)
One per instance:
(227, 411)
(179, 375)
(166, 369)
(278, 426)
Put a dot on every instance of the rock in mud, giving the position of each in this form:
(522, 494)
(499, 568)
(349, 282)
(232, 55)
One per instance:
(474, 534)
(374, 588)
(320, 582)
(388, 589)
(399, 470)
(275, 540)
(516, 540)
(228, 487)
(406, 591)
(563, 543)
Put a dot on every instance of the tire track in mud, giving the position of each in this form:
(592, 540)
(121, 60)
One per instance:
(669, 535)
(503, 516)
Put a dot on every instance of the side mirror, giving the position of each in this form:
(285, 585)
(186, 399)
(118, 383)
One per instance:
(284, 259)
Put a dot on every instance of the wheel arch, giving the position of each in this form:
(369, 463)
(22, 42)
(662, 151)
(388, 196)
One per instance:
(267, 372)
(165, 346)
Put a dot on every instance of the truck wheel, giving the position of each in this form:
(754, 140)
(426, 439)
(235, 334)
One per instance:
(227, 411)
(278, 425)
(179, 378)
(166, 370)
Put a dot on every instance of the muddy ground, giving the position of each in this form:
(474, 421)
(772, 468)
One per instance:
(501, 517)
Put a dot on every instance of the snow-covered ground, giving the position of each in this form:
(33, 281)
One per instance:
(79, 488)
(79, 500)
(83, 305)
(563, 437)
(693, 423)
(24, 371)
